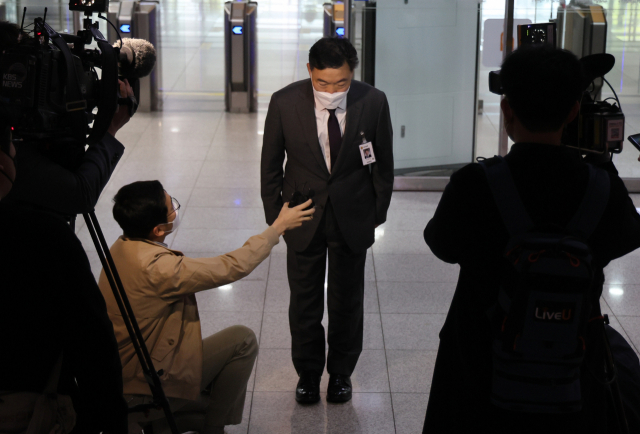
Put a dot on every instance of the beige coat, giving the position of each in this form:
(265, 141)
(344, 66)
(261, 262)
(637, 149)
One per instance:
(161, 286)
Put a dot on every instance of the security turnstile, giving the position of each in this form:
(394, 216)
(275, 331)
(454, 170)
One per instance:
(333, 18)
(240, 92)
(141, 20)
(583, 31)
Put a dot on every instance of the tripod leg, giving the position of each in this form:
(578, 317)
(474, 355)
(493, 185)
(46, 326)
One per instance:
(129, 318)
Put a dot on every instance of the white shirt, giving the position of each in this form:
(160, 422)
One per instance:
(322, 118)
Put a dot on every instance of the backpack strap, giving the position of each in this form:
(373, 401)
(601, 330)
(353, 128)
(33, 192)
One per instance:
(512, 210)
(593, 204)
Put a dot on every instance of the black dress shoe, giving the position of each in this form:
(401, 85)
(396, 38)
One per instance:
(308, 388)
(339, 389)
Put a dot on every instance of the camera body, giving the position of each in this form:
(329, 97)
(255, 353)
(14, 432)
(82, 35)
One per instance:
(89, 5)
(599, 127)
(50, 87)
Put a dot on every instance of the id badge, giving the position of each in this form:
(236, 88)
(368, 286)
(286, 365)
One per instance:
(366, 152)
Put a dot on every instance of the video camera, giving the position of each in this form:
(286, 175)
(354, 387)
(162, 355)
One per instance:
(50, 86)
(599, 126)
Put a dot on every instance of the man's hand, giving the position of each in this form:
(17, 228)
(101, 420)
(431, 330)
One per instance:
(291, 218)
(121, 117)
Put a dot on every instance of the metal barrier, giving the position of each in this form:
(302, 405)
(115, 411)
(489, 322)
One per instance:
(240, 92)
(583, 31)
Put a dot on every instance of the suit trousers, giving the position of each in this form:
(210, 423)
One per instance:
(228, 358)
(306, 272)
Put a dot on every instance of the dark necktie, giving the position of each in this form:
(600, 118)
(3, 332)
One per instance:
(335, 136)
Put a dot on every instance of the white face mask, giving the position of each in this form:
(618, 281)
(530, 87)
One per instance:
(173, 226)
(330, 100)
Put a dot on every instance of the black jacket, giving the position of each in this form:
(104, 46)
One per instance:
(49, 301)
(467, 229)
(360, 195)
(45, 184)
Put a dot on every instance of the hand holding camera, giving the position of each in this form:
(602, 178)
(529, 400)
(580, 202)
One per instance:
(123, 114)
(291, 218)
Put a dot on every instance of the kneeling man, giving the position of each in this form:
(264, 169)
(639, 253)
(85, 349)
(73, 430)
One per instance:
(205, 380)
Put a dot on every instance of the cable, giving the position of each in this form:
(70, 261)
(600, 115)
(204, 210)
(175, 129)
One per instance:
(114, 28)
(614, 93)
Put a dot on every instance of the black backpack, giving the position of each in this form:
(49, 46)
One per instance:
(545, 302)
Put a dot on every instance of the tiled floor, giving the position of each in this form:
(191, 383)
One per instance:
(209, 160)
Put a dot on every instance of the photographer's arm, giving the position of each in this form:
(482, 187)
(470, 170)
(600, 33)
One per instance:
(44, 183)
(177, 276)
(271, 172)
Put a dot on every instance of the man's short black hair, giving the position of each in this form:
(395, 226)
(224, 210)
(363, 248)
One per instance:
(333, 53)
(542, 84)
(139, 207)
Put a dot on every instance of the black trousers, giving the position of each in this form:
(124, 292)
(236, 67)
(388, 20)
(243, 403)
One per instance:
(345, 294)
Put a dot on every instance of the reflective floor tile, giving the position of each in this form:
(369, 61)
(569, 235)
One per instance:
(412, 331)
(278, 294)
(278, 267)
(207, 240)
(275, 331)
(623, 299)
(400, 242)
(237, 296)
(409, 410)
(224, 153)
(413, 297)
(623, 271)
(370, 374)
(407, 220)
(230, 169)
(275, 372)
(372, 339)
(411, 371)
(224, 218)
(227, 197)
(414, 268)
(277, 412)
(415, 200)
(167, 152)
(629, 328)
(371, 303)
(171, 174)
(260, 272)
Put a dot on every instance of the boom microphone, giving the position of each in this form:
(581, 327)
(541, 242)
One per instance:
(137, 58)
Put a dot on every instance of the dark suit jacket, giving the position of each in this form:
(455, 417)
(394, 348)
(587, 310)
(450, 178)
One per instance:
(467, 229)
(360, 195)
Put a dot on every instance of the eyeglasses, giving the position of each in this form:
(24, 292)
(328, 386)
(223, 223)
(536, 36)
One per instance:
(175, 204)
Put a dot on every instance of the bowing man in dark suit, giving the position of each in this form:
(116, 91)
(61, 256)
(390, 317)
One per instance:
(324, 125)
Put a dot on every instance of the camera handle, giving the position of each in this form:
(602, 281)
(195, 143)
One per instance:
(160, 400)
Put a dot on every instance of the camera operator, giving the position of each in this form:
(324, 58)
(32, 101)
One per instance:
(51, 307)
(46, 180)
(542, 88)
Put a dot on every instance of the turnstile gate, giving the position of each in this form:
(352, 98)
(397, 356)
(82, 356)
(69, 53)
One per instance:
(240, 92)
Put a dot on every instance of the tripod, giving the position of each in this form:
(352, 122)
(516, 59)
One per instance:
(153, 378)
